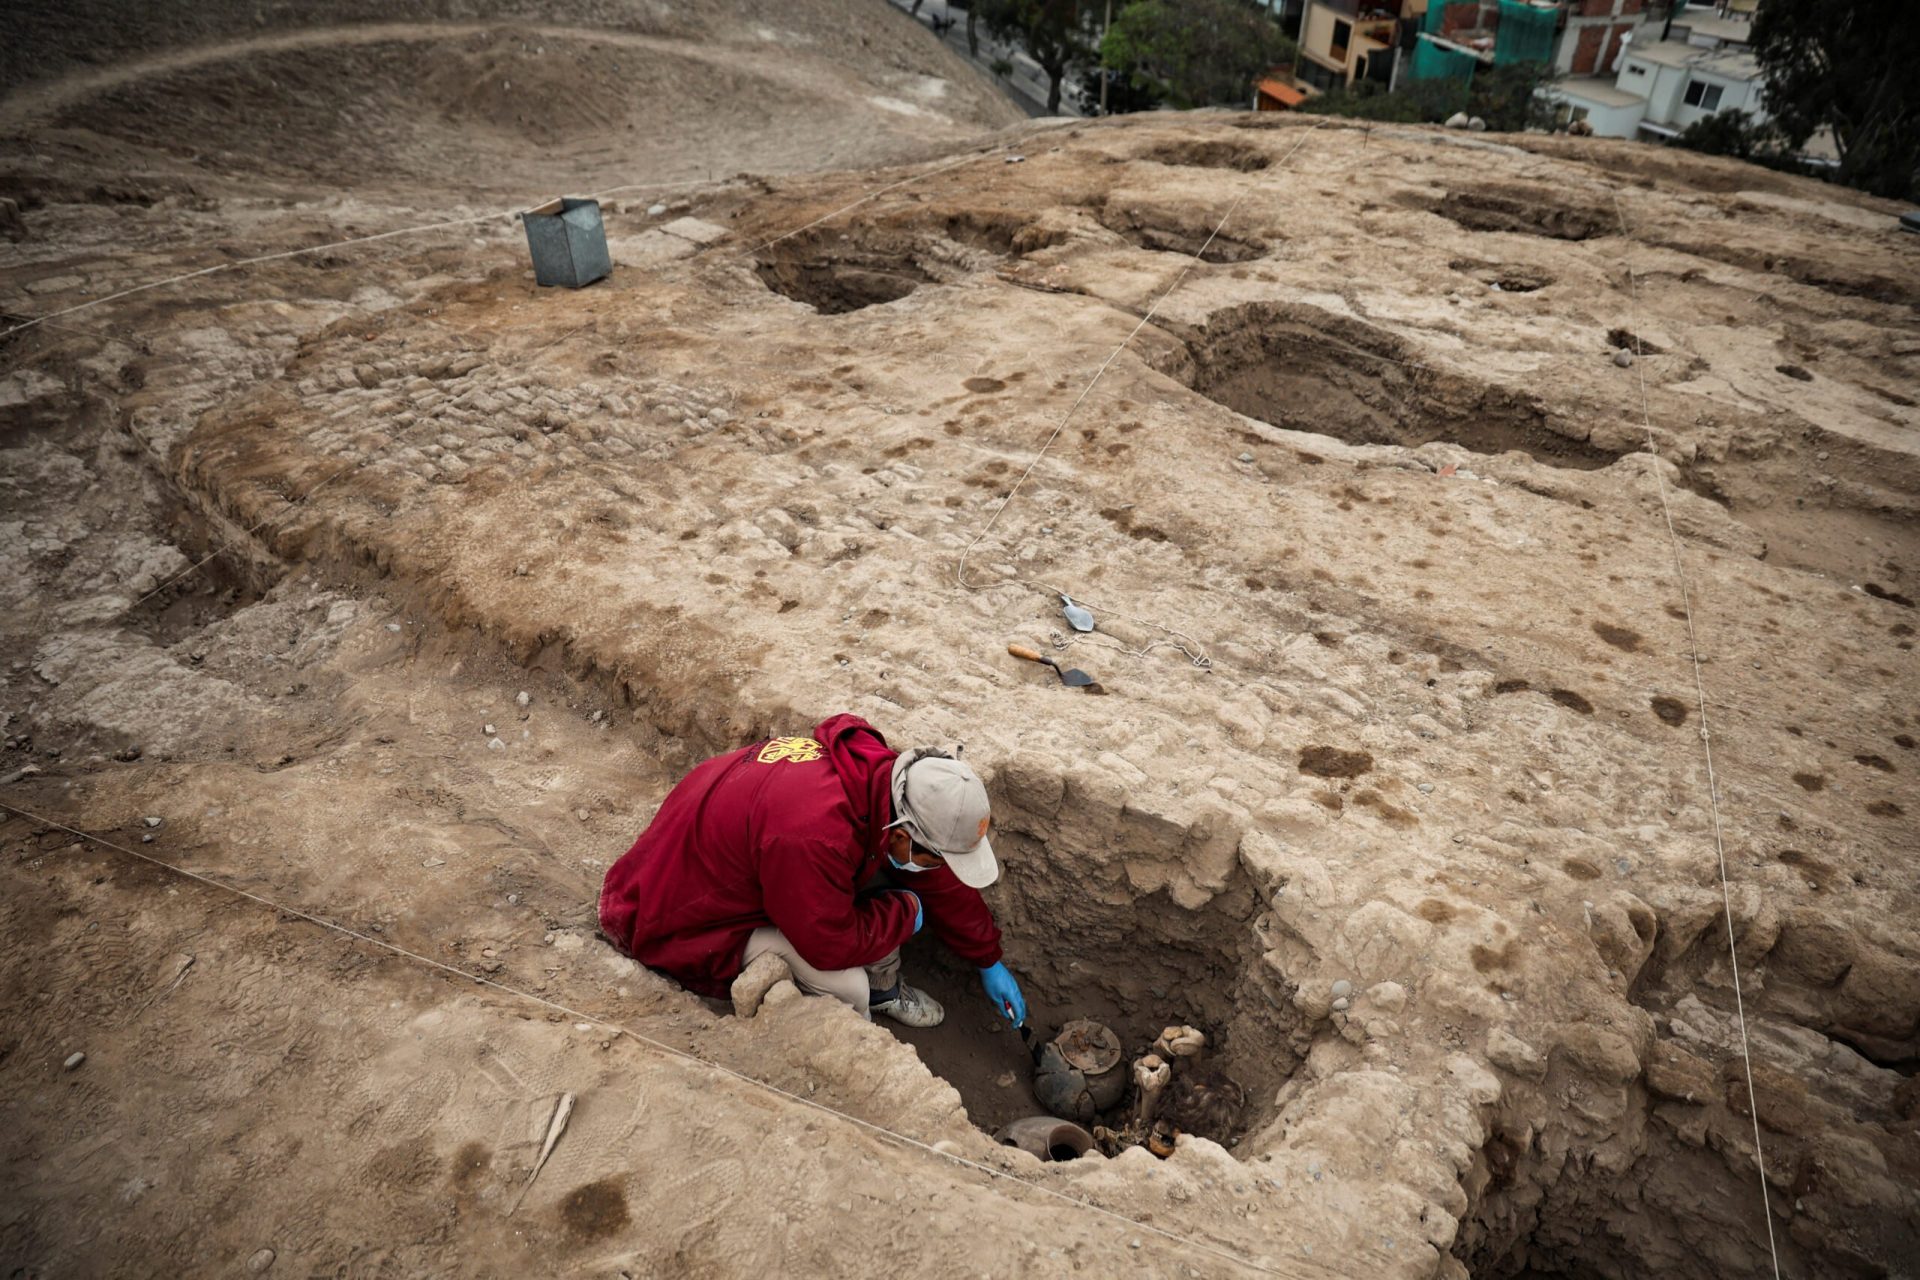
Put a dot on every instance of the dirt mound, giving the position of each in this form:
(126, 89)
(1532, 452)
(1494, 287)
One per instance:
(533, 102)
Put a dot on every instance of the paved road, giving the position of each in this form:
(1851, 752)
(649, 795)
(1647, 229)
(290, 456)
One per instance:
(1027, 86)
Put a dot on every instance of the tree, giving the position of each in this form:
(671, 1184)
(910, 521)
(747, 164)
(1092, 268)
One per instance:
(1508, 98)
(1124, 94)
(1053, 32)
(1848, 65)
(1195, 53)
(1420, 102)
(1727, 133)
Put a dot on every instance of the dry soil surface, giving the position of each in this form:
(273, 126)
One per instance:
(393, 591)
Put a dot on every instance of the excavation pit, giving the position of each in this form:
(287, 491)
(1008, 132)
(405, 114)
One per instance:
(1137, 967)
(1306, 369)
(1533, 211)
(1164, 232)
(836, 285)
(835, 271)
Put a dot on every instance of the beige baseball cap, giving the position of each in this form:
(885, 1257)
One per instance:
(943, 805)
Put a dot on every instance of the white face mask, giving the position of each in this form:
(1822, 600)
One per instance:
(905, 866)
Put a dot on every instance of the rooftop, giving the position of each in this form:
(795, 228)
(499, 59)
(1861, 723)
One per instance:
(1677, 53)
(1727, 30)
(1596, 91)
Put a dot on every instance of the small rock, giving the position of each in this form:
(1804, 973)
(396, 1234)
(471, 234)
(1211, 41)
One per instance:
(1425, 788)
(151, 821)
(74, 1060)
(1005, 1080)
(494, 744)
(513, 899)
(260, 1261)
(431, 863)
(393, 626)
(1477, 125)
(521, 571)
(549, 939)
(488, 729)
(147, 838)
(1341, 989)
(582, 814)
(1458, 120)
(1510, 1053)
(1340, 1005)
(1624, 359)
(655, 210)
(523, 698)
(1246, 457)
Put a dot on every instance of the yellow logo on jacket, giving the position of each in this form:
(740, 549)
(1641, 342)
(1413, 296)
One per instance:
(791, 750)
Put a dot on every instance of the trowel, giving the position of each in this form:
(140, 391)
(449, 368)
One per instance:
(1073, 677)
(1079, 617)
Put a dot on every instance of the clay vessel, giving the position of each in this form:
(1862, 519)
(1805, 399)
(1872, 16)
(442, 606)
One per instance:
(1048, 1137)
(1078, 1073)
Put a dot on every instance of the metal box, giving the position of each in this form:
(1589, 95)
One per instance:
(568, 242)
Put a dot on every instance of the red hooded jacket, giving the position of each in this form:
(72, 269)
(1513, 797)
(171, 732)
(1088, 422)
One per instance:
(785, 832)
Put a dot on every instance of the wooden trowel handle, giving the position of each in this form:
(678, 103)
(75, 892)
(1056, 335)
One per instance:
(1021, 651)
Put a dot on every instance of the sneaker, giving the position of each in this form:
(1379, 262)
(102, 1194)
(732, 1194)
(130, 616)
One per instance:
(755, 980)
(912, 1008)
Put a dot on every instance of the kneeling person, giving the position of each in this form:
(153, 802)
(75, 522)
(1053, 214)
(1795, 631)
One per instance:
(826, 853)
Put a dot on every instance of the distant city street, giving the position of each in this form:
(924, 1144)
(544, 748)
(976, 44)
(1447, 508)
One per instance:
(1026, 84)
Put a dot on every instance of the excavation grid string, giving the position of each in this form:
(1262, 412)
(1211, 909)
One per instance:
(672, 1051)
(463, 221)
(1706, 739)
(960, 566)
(998, 1175)
(362, 463)
(238, 263)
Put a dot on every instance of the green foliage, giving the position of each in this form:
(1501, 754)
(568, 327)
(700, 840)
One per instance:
(1728, 133)
(1507, 98)
(1738, 135)
(1419, 102)
(1195, 53)
(1849, 65)
(1055, 34)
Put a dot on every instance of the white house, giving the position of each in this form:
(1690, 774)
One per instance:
(1663, 87)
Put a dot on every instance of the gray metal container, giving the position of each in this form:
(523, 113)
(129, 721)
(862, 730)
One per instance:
(568, 242)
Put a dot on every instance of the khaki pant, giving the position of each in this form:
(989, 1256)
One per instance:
(851, 986)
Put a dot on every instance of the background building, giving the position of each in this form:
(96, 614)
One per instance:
(1667, 77)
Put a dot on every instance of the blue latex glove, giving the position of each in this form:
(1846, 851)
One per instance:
(1005, 993)
(919, 909)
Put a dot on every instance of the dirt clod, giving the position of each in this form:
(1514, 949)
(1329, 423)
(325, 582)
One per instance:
(1670, 710)
(595, 1210)
(1334, 762)
(1572, 701)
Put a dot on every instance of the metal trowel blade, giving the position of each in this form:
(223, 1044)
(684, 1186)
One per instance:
(1078, 616)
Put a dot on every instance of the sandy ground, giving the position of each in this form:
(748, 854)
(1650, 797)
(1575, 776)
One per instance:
(1398, 791)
